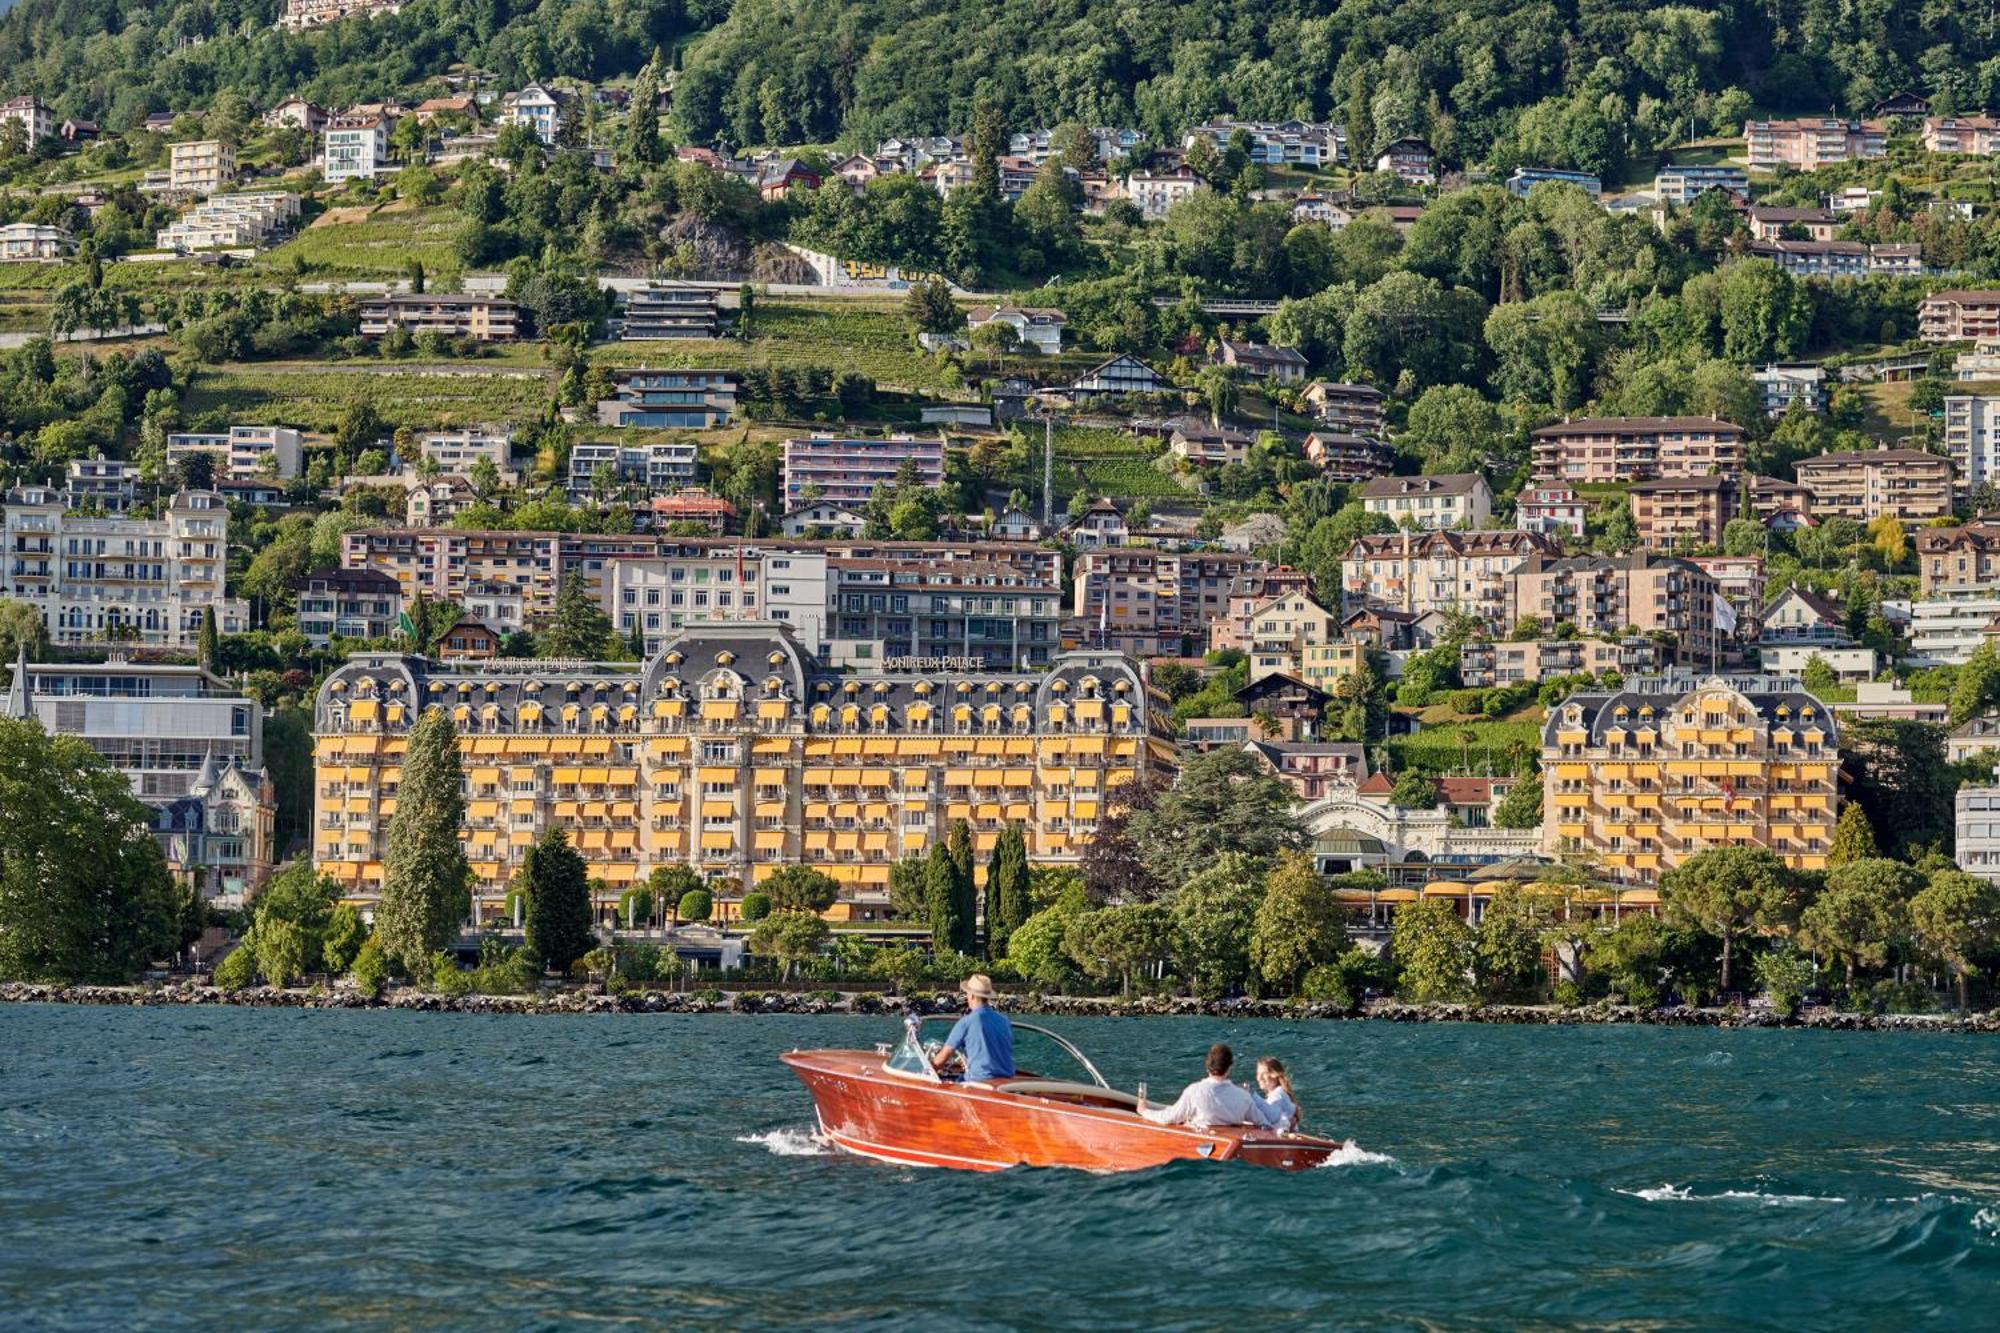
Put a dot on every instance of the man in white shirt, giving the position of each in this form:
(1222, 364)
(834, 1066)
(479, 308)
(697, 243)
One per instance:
(1212, 1101)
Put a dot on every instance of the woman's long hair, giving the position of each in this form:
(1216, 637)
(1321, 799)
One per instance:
(1277, 1068)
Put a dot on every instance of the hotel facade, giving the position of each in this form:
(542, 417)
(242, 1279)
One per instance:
(735, 752)
(1642, 778)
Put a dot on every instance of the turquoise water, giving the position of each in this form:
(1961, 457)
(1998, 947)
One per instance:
(242, 1168)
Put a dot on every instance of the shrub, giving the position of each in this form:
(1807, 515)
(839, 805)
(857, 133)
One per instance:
(1567, 995)
(1325, 983)
(371, 969)
(642, 963)
(1784, 973)
(447, 978)
(238, 969)
(697, 905)
(343, 937)
(511, 973)
(756, 906)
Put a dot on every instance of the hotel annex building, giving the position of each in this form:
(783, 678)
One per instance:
(734, 751)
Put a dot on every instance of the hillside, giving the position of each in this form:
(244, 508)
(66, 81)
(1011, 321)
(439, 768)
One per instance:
(1488, 81)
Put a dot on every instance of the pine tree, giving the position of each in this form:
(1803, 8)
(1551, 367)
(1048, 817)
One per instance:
(1853, 837)
(579, 627)
(558, 908)
(426, 885)
(965, 924)
(941, 897)
(209, 644)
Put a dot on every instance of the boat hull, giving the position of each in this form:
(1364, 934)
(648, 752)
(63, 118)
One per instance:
(867, 1110)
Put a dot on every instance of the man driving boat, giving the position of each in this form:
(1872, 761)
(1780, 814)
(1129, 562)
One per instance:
(983, 1037)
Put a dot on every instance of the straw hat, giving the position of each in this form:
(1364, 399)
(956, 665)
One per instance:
(978, 984)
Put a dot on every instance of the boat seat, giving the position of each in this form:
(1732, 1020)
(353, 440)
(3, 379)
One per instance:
(1049, 1087)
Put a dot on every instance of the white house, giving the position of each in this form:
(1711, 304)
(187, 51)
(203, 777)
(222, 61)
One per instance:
(1037, 327)
(823, 518)
(355, 147)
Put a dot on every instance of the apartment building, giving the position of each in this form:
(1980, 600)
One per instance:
(1976, 819)
(669, 399)
(1959, 316)
(241, 452)
(1356, 409)
(996, 613)
(1153, 193)
(1549, 510)
(37, 121)
(1810, 143)
(1972, 438)
(1672, 512)
(460, 451)
(1642, 778)
(1282, 629)
(355, 147)
(1865, 484)
(1349, 458)
(1484, 663)
(1974, 136)
(1525, 179)
(33, 243)
(107, 484)
(1779, 386)
(311, 13)
(1839, 259)
(232, 221)
(126, 580)
(1610, 450)
(1777, 503)
(1740, 580)
(480, 318)
(203, 166)
(191, 746)
(1683, 183)
(691, 583)
(1770, 222)
(670, 310)
(1947, 629)
(347, 604)
(1285, 143)
(734, 751)
(1153, 603)
(541, 109)
(1966, 556)
(1614, 596)
(667, 465)
(1261, 360)
(1450, 500)
(1417, 573)
(847, 471)
(1249, 593)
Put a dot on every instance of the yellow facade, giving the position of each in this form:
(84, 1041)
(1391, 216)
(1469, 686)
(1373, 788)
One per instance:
(733, 752)
(1642, 779)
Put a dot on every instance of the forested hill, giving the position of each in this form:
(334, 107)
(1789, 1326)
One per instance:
(1487, 81)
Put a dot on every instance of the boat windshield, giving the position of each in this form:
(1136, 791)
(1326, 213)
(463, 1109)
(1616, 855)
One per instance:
(910, 1057)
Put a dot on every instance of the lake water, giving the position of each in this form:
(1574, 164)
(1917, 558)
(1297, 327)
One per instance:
(245, 1168)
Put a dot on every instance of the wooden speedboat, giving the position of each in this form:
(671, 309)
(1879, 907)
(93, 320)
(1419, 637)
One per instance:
(891, 1104)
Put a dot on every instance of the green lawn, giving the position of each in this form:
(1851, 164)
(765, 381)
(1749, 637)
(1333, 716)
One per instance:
(312, 396)
(1438, 749)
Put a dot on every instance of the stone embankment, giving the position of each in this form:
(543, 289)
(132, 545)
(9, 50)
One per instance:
(578, 1001)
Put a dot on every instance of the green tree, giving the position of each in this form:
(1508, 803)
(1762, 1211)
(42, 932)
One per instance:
(1299, 922)
(304, 900)
(1901, 779)
(965, 891)
(280, 948)
(1507, 957)
(801, 889)
(929, 308)
(21, 629)
(1727, 891)
(790, 937)
(755, 907)
(671, 883)
(1521, 807)
(1434, 952)
(1006, 889)
(696, 905)
(1215, 915)
(558, 909)
(1120, 941)
(941, 901)
(209, 641)
(906, 889)
(1955, 919)
(85, 894)
(1861, 912)
(1818, 677)
(1978, 684)
(341, 942)
(1414, 790)
(1035, 951)
(426, 883)
(1224, 801)
(1853, 838)
(641, 145)
(579, 628)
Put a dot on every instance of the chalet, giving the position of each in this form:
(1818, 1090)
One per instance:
(857, 169)
(1284, 696)
(1312, 768)
(1199, 442)
(1801, 616)
(1410, 159)
(296, 113)
(690, 505)
(469, 639)
(1901, 103)
(1017, 525)
(1122, 374)
(782, 177)
(1347, 457)
(1098, 527)
(1347, 407)
(79, 131)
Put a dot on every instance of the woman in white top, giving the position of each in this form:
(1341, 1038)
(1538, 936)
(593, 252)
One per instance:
(1280, 1111)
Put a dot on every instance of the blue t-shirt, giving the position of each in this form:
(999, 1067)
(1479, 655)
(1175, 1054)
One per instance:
(987, 1040)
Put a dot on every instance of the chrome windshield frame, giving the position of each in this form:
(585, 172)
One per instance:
(912, 1023)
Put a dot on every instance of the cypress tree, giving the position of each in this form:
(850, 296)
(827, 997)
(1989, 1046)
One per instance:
(558, 907)
(426, 884)
(965, 926)
(1010, 900)
(941, 897)
(642, 123)
(209, 642)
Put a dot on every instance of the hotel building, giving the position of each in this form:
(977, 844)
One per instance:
(736, 752)
(1644, 777)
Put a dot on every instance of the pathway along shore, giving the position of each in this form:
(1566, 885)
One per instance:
(571, 1001)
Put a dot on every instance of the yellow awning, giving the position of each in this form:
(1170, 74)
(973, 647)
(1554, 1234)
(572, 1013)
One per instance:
(595, 777)
(847, 745)
(988, 812)
(718, 810)
(878, 745)
(769, 777)
(918, 747)
(1020, 777)
(770, 810)
(765, 745)
(362, 710)
(818, 777)
(772, 710)
(717, 775)
(597, 746)
(713, 840)
(770, 839)
(721, 710)
(483, 809)
(664, 747)
(875, 777)
(875, 842)
(989, 777)
(1085, 810)
(958, 777)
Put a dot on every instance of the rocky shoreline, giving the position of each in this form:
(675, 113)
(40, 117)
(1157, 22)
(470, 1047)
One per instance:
(571, 1001)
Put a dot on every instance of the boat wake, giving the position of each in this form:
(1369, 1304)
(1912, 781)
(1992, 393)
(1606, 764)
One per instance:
(1351, 1153)
(1685, 1194)
(789, 1143)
